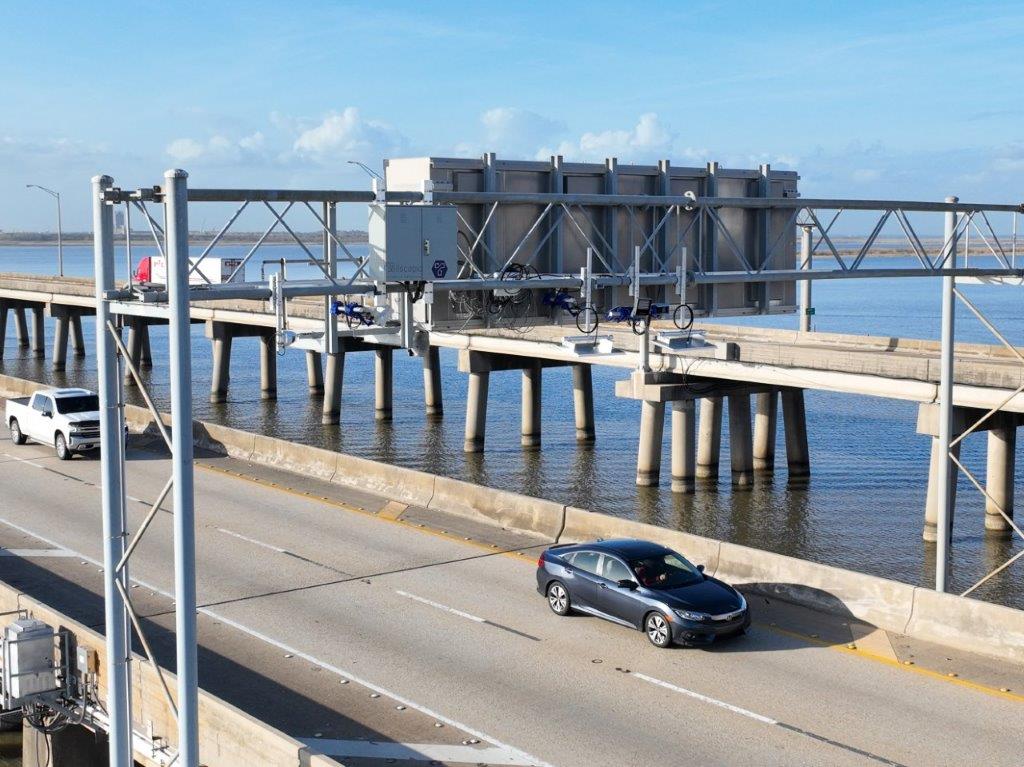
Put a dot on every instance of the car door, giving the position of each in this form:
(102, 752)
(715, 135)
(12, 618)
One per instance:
(584, 589)
(39, 423)
(618, 601)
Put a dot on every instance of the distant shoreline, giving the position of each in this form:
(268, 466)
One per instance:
(33, 240)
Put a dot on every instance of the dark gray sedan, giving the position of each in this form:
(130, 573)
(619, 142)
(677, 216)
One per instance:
(642, 585)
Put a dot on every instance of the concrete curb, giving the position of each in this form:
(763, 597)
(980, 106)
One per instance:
(965, 623)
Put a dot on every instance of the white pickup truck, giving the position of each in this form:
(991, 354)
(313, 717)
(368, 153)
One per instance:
(68, 419)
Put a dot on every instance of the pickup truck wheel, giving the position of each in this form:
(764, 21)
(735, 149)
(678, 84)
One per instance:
(16, 436)
(60, 444)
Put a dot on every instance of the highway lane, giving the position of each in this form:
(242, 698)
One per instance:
(447, 625)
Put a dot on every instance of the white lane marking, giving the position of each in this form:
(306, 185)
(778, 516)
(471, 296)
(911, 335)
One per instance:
(253, 541)
(421, 752)
(36, 553)
(530, 760)
(705, 698)
(440, 606)
(25, 460)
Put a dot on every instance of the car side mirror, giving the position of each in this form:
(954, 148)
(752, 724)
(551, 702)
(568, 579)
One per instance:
(626, 583)
(47, 414)
(700, 568)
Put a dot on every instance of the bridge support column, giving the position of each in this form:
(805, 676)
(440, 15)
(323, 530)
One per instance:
(684, 445)
(798, 455)
(268, 367)
(1002, 449)
(221, 367)
(335, 374)
(60, 341)
(383, 382)
(476, 411)
(77, 339)
(741, 448)
(709, 446)
(583, 403)
(21, 326)
(3, 328)
(433, 399)
(652, 430)
(314, 372)
(146, 361)
(38, 332)
(766, 408)
(931, 510)
(531, 406)
(134, 349)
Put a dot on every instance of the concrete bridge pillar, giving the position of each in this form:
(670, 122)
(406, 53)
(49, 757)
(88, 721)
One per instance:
(314, 372)
(383, 382)
(1002, 449)
(146, 361)
(3, 328)
(60, 340)
(432, 394)
(766, 408)
(221, 367)
(583, 403)
(709, 446)
(652, 430)
(38, 331)
(741, 450)
(931, 510)
(531, 406)
(20, 326)
(798, 455)
(77, 338)
(268, 366)
(476, 411)
(135, 329)
(684, 445)
(335, 374)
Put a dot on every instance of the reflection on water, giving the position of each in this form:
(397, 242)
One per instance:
(862, 508)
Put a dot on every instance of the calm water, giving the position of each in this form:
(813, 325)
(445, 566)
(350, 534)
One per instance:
(863, 507)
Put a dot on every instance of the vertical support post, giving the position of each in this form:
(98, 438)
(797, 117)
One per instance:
(433, 397)
(806, 259)
(330, 255)
(684, 445)
(383, 382)
(946, 477)
(176, 201)
(268, 366)
(711, 242)
(764, 189)
(77, 338)
(583, 403)
(476, 412)
(740, 443)
(931, 509)
(221, 377)
(555, 217)
(1002, 460)
(21, 326)
(314, 372)
(60, 338)
(38, 331)
(531, 406)
(146, 360)
(134, 349)
(111, 486)
(490, 234)
(611, 213)
(709, 446)
(3, 327)
(766, 410)
(652, 431)
(794, 416)
(335, 374)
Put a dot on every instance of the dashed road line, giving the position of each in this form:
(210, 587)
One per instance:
(435, 753)
(467, 616)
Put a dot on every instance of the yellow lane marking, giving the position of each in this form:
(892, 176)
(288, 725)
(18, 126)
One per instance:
(528, 558)
(392, 510)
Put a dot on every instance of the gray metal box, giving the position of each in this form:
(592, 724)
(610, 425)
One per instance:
(412, 243)
(28, 659)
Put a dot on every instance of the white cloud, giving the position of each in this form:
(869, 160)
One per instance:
(218, 150)
(345, 135)
(646, 141)
(511, 131)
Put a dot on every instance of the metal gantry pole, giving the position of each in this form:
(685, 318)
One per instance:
(112, 488)
(806, 310)
(60, 240)
(176, 202)
(944, 485)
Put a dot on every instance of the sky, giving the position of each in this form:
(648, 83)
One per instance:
(864, 99)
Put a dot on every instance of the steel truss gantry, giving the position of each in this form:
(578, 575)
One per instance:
(685, 214)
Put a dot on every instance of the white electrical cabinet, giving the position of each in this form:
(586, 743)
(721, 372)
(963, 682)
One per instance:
(412, 243)
(28, 660)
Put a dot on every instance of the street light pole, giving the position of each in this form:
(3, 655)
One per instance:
(60, 234)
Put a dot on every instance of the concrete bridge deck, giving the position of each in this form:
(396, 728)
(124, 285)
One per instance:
(303, 585)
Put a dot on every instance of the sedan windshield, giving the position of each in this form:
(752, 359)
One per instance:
(84, 403)
(665, 571)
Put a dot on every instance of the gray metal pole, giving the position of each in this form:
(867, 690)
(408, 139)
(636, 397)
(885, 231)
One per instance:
(945, 467)
(176, 200)
(805, 285)
(112, 489)
(60, 240)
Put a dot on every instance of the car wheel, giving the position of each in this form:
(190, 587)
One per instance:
(60, 444)
(658, 630)
(16, 436)
(558, 598)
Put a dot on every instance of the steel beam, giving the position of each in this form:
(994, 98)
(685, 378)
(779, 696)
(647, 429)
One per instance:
(946, 477)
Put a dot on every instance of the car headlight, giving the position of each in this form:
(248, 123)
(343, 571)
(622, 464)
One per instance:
(690, 615)
(74, 430)
(743, 602)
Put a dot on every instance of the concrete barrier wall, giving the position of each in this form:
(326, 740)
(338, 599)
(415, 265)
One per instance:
(961, 622)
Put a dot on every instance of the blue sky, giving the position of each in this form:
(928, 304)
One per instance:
(865, 99)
